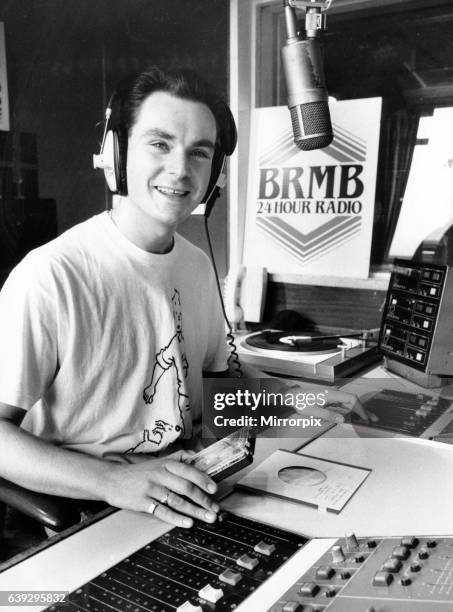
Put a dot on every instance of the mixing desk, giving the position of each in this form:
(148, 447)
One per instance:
(208, 567)
(409, 574)
(407, 414)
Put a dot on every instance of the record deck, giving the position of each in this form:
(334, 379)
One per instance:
(311, 355)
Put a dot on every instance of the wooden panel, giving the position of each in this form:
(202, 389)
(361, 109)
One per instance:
(327, 306)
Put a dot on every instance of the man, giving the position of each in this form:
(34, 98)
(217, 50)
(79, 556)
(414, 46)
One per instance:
(107, 330)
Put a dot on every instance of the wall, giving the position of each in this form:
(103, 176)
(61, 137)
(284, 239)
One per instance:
(64, 59)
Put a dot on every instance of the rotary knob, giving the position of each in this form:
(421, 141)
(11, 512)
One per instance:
(338, 555)
(351, 541)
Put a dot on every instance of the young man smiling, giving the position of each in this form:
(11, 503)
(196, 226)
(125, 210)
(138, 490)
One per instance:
(107, 330)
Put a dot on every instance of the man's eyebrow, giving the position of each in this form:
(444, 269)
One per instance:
(158, 133)
(204, 142)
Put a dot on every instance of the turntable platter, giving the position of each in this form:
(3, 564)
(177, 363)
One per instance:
(293, 342)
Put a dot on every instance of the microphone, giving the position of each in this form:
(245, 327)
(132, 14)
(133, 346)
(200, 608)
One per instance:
(305, 84)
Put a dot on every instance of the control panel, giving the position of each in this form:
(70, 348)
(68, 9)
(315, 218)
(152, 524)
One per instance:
(409, 574)
(211, 567)
(416, 330)
(408, 414)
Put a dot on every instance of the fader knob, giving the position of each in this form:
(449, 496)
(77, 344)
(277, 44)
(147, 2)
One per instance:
(382, 579)
(309, 589)
(325, 572)
(338, 554)
(292, 606)
(409, 541)
(400, 552)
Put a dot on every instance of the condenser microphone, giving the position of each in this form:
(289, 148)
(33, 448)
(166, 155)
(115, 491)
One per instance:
(306, 88)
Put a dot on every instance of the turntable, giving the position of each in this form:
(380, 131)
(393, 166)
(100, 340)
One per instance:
(312, 355)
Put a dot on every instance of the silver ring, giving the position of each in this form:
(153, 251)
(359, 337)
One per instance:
(165, 499)
(152, 508)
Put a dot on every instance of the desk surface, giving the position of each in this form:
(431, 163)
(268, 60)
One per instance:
(409, 492)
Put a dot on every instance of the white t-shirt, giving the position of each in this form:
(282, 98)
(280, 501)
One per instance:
(104, 344)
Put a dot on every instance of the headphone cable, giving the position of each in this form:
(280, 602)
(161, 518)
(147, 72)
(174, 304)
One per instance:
(234, 357)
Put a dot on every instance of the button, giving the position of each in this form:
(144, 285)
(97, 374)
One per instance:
(431, 543)
(345, 575)
(371, 543)
(330, 593)
(309, 589)
(382, 579)
(359, 558)
(392, 565)
(188, 607)
(325, 572)
(338, 554)
(264, 548)
(409, 541)
(415, 567)
(247, 562)
(405, 581)
(423, 554)
(292, 606)
(230, 577)
(400, 552)
(210, 593)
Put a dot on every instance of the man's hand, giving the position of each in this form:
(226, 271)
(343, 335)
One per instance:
(166, 487)
(343, 402)
(338, 404)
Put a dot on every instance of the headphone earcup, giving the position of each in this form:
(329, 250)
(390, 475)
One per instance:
(227, 138)
(120, 160)
(228, 131)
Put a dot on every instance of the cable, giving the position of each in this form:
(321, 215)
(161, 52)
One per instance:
(234, 357)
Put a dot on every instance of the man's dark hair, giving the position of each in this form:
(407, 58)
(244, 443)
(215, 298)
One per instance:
(183, 83)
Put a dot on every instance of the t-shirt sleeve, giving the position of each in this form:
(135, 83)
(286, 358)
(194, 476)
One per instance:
(28, 351)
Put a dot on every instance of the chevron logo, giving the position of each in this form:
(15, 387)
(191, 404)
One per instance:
(312, 245)
(345, 148)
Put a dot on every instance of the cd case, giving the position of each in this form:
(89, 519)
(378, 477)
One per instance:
(325, 485)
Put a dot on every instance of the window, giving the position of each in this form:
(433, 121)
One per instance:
(399, 50)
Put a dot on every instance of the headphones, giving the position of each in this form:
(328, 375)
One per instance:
(112, 156)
